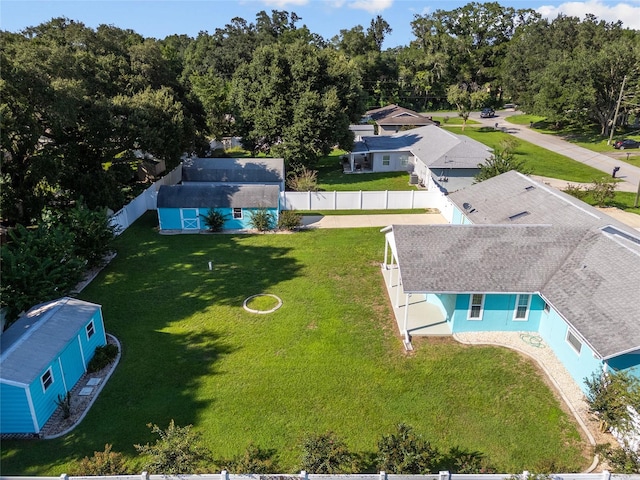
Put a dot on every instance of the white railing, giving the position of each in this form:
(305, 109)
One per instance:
(147, 200)
(362, 200)
(605, 475)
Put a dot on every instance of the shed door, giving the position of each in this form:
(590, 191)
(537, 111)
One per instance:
(190, 219)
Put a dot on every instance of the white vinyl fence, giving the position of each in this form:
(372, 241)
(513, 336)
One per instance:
(362, 200)
(605, 475)
(147, 200)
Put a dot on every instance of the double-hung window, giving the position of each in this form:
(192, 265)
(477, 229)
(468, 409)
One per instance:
(521, 313)
(386, 160)
(237, 213)
(476, 306)
(46, 379)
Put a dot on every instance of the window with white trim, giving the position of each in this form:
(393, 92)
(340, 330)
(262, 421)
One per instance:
(47, 379)
(574, 341)
(476, 306)
(404, 160)
(237, 213)
(386, 160)
(91, 329)
(521, 313)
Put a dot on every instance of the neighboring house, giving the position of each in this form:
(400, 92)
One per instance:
(522, 256)
(235, 187)
(392, 119)
(439, 158)
(44, 354)
(362, 130)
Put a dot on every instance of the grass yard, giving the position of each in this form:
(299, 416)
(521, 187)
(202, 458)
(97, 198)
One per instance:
(331, 177)
(328, 359)
(541, 161)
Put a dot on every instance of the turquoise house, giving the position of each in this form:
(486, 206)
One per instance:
(44, 354)
(523, 257)
(235, 187)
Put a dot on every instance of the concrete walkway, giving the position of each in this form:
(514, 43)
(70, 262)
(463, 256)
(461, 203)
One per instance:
(364, 220)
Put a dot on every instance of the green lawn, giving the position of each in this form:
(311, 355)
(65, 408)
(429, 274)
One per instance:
(328, 359)
(540, 160)
(331, 177)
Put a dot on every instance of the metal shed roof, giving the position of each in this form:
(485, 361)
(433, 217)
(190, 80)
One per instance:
(35, 339)
(233, 170)
(218, 196)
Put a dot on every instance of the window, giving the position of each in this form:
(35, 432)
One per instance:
(90, 330)
(404, 160)
(386, 160)
(46, 379)
(475, 309)
(237, 213)
(574, 341)
(522, 307)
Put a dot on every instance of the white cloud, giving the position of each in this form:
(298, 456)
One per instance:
(371, 6)
(285, 3)
(625, 12)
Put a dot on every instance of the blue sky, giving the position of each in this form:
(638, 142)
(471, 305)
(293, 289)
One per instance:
(159, 18)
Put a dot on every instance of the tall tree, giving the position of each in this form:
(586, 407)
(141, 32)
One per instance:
(296, 101)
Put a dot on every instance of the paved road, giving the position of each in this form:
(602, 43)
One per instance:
(629, 174)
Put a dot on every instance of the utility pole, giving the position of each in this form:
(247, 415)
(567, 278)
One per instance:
(615, 115)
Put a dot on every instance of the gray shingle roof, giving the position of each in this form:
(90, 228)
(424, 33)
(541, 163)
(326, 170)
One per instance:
(233, 170)
(218, 196)
(48, 327)
(481, 258)
(395, 115)
(583, 262)
(434, 146)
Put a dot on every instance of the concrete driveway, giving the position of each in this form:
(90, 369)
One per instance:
(364, 220)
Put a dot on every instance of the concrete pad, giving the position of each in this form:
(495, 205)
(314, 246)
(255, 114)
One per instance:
(363, 221)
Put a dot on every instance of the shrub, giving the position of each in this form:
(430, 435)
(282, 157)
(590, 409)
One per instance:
(101, 463)
(406, 452)
(303, 180)
(289, 220)
(214, 220)
(178, 450)
(620, 459)
(608, 397)
(603, 191)
(255, 460)
(102, 357)
(575, 191)
(458, 460)
(325, 453)
(261, 219)
(64, 402)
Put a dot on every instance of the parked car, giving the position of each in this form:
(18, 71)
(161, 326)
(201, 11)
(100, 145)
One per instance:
(487, 113)
(626, 143)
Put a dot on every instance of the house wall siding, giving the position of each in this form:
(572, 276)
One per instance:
(629, 362)
(15, 416)
(497, 314)
(553, 330)
(395, 162)
(72, 363)
(170, 218)
(44, 403)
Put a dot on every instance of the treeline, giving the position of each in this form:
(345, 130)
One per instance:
(76, 102)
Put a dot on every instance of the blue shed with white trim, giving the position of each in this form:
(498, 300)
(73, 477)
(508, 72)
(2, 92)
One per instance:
(44, 354)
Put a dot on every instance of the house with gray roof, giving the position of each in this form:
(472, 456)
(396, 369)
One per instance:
(521, 256)
(438, 158)
(43, 355)
(393, 119)
(234, 187)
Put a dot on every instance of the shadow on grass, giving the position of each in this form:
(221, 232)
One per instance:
(154, 284)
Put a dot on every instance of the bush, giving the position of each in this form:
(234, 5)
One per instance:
(325, 453)
(608, 397)
(603, 191)
(102, 357)
(289, 220)
(575, 191)
(255, 460)
(101, 463)
(407, 452)
(214, 220)
(178, 450)
(303, 180)
(261, 219)
(620, 459)
(458, 460)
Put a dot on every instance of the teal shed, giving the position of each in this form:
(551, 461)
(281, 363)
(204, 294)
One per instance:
(44, 354)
